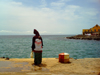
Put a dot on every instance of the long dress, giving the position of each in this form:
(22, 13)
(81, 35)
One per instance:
(37, 51)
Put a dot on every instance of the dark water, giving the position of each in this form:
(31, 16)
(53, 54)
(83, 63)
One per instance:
(19, 46)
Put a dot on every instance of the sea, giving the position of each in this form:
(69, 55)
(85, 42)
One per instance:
(19, 46)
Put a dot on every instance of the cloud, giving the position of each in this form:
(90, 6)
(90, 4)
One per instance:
(15, 32)
(73, 6)
(57, 4)
(48, 20)
(43, 32)
(63, 1)
(95, 1)
(44, 4)
(4, 31)
(16, 3)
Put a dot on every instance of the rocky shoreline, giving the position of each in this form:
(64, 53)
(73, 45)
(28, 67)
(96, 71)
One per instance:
(85, 37)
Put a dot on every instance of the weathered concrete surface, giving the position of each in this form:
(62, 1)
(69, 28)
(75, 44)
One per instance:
(50, 66)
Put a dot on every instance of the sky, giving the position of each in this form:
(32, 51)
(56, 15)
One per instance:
(49, 17)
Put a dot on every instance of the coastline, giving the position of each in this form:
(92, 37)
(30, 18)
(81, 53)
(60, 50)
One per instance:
(85, 37)
(49, 66)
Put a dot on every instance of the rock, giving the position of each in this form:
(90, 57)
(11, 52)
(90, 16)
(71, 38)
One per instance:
(99, 73)
(2, 57)
(85, 37)
(7, 58)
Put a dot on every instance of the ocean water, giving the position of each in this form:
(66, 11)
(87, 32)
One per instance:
(19, 46)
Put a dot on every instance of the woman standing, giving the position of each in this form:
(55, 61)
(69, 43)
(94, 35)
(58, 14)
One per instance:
(37, 45)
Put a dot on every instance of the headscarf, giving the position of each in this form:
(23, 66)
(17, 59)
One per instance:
(36, 32)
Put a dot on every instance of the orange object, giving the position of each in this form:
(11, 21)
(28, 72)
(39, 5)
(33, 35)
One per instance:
(63, 57)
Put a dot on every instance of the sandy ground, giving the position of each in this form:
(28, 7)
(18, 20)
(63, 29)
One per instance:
(50, 66)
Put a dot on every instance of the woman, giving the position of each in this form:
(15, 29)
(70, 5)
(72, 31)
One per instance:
(37, 45)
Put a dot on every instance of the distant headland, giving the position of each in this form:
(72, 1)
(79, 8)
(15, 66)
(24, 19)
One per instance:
(88, 34)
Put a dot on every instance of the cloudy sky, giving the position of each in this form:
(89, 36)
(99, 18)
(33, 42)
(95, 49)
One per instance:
(20, 17)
